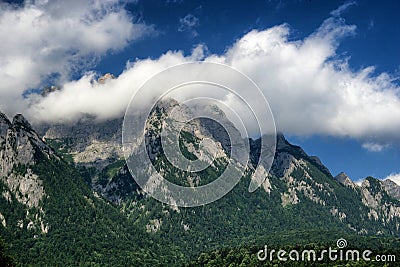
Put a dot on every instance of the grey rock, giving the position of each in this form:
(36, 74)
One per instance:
(19, 144)
(392, 188)
(344, 180)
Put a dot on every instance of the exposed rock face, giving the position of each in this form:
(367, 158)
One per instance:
(296, 177)
(153, 226)
(186, 141)
(89, 141)
(392, 188)
(28, 188)
(18, 145)
(4, 125)
(335, 212)
(283, 146)
(378, 200)
(49, 89)
(3, 220)
(289, 198)
(106, 77)
(345, 180)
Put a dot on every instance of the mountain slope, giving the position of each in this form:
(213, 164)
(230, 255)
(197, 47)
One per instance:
(300, 201)
(50, 216)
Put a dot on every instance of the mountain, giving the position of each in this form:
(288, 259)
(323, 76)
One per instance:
(345, 180)
(294, 175)
(392, 188)
(50, 216)
(73, 188)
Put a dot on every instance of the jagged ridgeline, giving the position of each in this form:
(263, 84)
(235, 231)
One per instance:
(192, 133)
(67, 198)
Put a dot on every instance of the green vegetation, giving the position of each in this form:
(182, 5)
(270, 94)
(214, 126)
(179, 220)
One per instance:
(86, 229)
(5, 259)
(110, 171)
(247, 256)
(62, 148)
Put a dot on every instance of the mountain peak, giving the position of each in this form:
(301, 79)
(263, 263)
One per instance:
(20, 121)
(392, 188)
(281, 141)
(344, 180)
(4, 124)
(283, 145)
(50, 89)
(106, 77)
(3, 118)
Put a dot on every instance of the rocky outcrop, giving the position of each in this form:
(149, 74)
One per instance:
(283, 146)
(50, 89)
(343, 179)
(106, 77)
(392, 188)
(375, 197)
(88, 141)
(19, 144)
(297, 178)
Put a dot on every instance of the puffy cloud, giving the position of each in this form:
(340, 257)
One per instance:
(311, 89)
(102, 100)
(395, 177)
(41, 39)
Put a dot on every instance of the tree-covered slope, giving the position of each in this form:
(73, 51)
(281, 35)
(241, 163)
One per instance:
(55, 211)
(50, 216)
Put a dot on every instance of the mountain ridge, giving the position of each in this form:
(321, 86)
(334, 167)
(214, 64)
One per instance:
(298, 195)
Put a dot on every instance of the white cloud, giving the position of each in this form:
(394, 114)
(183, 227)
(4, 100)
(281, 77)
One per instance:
(102, 100)
(342, 8)
(395, 177)
(373, 147)
(310, 88)
(359, 182)
(188, 23)
(43, 38)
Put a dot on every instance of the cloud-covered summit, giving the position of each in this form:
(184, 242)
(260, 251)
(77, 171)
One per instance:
(311, 89)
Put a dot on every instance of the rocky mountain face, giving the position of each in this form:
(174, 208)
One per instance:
(392, 188)
(88, 141)
(45, 205)
(380, 202)
(294, 176)
(345, 180)
(18, 145)
(46, 187)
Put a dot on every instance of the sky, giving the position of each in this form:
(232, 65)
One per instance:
(329, 69)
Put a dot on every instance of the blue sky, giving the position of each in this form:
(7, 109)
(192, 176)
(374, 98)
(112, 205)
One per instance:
(71, 42)
(219, 24)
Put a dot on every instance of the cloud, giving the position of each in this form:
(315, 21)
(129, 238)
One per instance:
(311, 89)
(371, 24)
(395, 177)
(339, 11)
(373, 147)
(108, 100)
(43, 39)
(188, 24)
